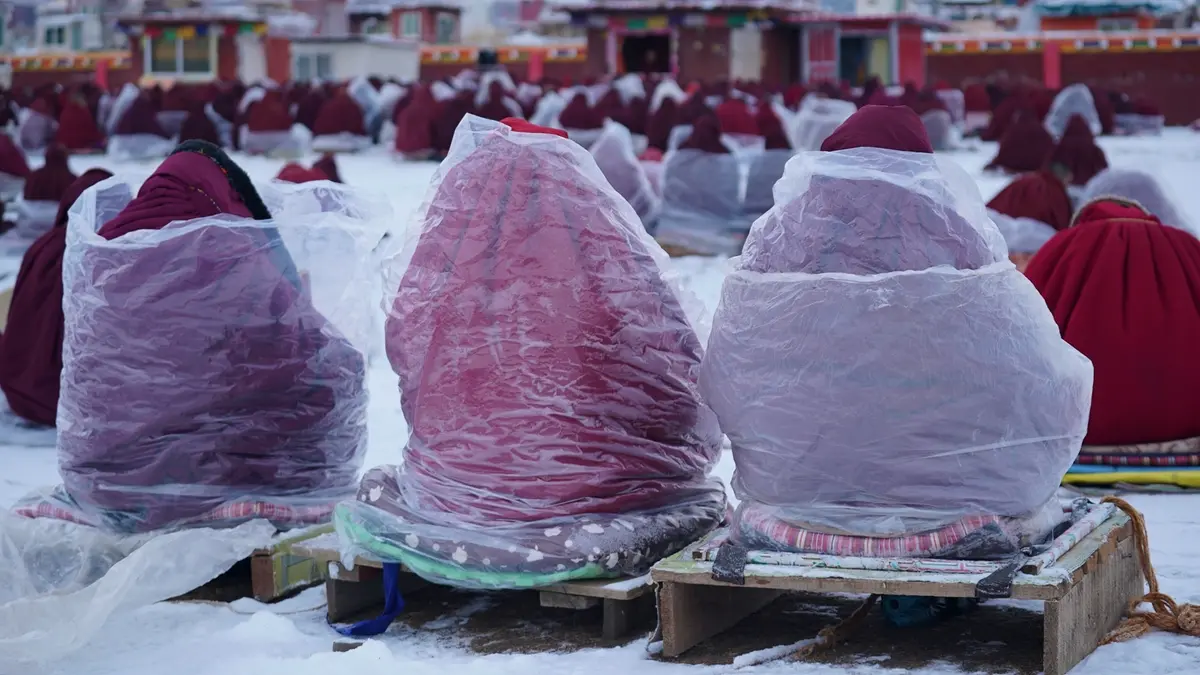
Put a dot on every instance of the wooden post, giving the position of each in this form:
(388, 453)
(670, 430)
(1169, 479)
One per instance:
(691, 613)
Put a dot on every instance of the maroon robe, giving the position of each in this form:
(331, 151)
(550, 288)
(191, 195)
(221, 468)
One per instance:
(12, 160)
(31, 346)
(77, 129)
(340, 115)
(199, 127)
(49, 182)
(140, 118)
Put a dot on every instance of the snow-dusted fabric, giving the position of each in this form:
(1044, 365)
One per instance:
(547, 371)
(614, 154)
(1074, 100)
(1141, 187)
(816, 120)
(878, 364)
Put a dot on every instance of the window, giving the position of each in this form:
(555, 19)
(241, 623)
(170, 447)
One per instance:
(1116, 25)
(447, 26)
(410, 25)
(56, 36)
(179, 56)
(76, 36)
(304, 70)
(325, 66)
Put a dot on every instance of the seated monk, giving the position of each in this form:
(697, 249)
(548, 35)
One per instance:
(614, 154)
(659, 124)
(237, 398)
(1122, 287)
(1015, 105)
(735, 117)
(137, 134)
(340, 127)
(77, 128)
(1140, 187)
(1026, 146)
(767, 168)
(570, 443)
(328, 166)
(583, 123)
(309, 108)
(268, 127)
(44, 189)
(294, 172)
(1028, 211)
(882, 372)
(36, 131)
(1076, 155)
(13, 168)
(702, 205)
(198, 126)
(32, 342)
(415, 126)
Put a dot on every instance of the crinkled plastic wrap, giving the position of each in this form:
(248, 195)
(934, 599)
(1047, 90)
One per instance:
(134, 147)
(34, 130)
(172, 121)
(956, 102)
(340, 142)
(1022, 235)
(548, 109)
(878, 365)
(216, 361)
(129, 94)
(1074, 100)
(1141, 187)
(765, 170)
(547, 371)
(614, 154)
(283, 144)
(815, 121)
(34, 217)
(702, 204)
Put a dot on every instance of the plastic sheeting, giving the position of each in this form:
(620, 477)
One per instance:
(547, 370)
(955, 102)
(236, 377)
(816, 120)
(129, 94)
(62, 583)
(34, 218)
(1022, 235)
(340, 142)
(548, 109)
(615, 155)
(1074, 100)
(765, 170)
(702, 203)
(943, 135)
(281, 144)
(136, 147)
(1142, 187)
(1128, 124)
(171, 121)
(35, 131)
(224, 126)
(878, 365)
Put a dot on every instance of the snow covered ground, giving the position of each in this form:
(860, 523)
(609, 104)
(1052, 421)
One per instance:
(292, 638)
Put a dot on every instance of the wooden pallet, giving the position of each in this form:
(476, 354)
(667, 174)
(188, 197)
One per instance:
(269, 574)
(351, 593)
(1086, 593)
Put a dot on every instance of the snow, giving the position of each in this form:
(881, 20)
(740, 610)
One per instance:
(250, 638)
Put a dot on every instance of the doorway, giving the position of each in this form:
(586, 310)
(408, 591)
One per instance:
(646, 53)
(853, 53)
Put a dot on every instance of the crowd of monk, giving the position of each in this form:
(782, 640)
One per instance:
(549, 369)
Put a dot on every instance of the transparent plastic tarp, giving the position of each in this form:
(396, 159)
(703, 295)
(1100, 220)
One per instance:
(34, 130)
(1129, 124)
(547, 370)
(129, 94)
(340, 142)
(224, 126)
(61, 583)
(11, 187)
(943, 135)
(815, 121)
(1142, 187)
(702, 206)
(135, 147)
(1022, 235)
(172, 121)
(34, 218)
(1074, 100)
(284, 144)
(215, 365)
(956, 103)
(548, 109)
(878, 364)
(765, 170)
(615, 155)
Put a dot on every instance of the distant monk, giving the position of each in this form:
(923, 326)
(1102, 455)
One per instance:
(44, 189)
(328, 166)
(268, 127)
(1026, 145)
(13, 168)
(415, 126)
(340, 126)
(31, 345)
(77, 129)
(199, 127)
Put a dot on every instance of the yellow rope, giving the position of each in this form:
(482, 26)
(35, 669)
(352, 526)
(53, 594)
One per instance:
(838, 632)
(1166, 614)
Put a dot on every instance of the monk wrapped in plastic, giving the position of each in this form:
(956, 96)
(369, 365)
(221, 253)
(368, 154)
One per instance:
(1028, 211)
(614, 154)
(1123, 287)
(817, 119)
(547, 373)
(1076, 155)
(702, 203)
(1070, 102)
(32, 342)
(37, 126)
(582, 122)
(43, 190)
(268, 129)
(13, 168)
(137, 134)
(1141, 187)
(767, 168)
(201, 384)
(883, 372)
(340, 127)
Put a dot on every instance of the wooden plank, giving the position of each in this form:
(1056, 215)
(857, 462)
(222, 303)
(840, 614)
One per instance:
(345, 600)
(623, 616)
(1074, 624)
(565, 601)
(691, 613)
(1052, 584)
(279, 570)
(609, 589)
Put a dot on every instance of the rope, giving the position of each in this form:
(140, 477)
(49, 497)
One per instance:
(1166, 615)
(830, 636)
